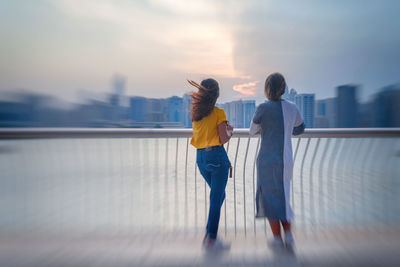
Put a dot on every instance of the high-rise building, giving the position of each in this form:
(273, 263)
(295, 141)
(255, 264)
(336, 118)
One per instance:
(366, 116)
(290, 95)
(234, 111)
(239, 113)
(249, 107)
(156, 110)
(117, 111)
(187, 119)
(175, 109)
(386, 107)
(138, 106)
(118, 86)
(305, 103)
(325, 113)
(347, 106)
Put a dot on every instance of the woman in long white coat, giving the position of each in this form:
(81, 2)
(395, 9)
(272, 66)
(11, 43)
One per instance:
(277, 120)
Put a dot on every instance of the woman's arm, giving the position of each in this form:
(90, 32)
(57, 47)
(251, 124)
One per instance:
(255, 125)
(297, 130)
(255, 128)
(224, 131)
(299, 124)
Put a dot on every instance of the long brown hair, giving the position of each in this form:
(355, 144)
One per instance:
(275, 85)
(203, 101)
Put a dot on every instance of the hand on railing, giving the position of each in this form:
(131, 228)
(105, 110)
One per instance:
(229, 129)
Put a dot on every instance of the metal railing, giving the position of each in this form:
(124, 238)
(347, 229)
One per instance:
(24, 133)
(341, 177)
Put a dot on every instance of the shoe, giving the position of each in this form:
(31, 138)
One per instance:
(289, 241)
(216, 245)
(276, 243)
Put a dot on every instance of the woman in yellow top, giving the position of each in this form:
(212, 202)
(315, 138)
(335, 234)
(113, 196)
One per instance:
(210, 131)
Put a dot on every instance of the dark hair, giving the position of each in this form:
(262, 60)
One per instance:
(275, 86)
(203, 101)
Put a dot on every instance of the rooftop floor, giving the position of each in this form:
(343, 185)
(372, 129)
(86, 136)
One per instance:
(325, 248)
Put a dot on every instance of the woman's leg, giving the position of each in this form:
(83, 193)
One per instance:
(275, 227)
(219, 178)
(289, 241)
(286, 226)
(207, 177)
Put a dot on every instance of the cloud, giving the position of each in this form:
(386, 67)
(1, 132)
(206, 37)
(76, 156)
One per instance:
(187, 38)
(246, 89)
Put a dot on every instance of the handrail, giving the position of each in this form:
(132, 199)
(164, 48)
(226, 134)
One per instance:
(28, 133)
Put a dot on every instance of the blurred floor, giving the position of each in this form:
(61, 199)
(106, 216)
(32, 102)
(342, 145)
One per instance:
(327, 248)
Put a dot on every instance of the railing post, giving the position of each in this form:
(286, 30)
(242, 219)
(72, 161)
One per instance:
(294, 161)
(320, 184)
(176, 185)
(254, 191)
(166, 184)
(244, 185)
(311, 188)
(186, 195)
(227, 150)
(301, 180)
(195, 197)
(234, 183)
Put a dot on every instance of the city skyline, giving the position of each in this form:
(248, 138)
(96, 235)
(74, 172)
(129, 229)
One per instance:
(120, 110)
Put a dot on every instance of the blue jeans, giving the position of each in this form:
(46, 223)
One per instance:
(214, 166)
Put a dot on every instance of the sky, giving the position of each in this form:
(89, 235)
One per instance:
(69, 48)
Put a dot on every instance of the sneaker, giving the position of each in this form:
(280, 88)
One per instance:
(276, 243)
(216, 245)
(289, 241)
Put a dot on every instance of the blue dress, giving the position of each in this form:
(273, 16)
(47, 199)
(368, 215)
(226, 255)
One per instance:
(276, 121)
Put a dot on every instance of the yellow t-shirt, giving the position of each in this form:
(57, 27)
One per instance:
(205, 131)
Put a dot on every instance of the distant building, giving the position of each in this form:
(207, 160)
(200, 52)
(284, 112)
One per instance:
(290, 95)
(239, 113)
(118, 86)
(117, 113)
(137, 108)
(187, 119)
(249, 107)
(233, 111)
(325, 113)
(14, 114)
(305, 104)
(175, 109)
(386, 107)
(347, 106)
(156, 110)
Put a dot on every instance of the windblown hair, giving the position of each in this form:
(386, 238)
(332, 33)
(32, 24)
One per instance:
(275, 86)
(203, 101)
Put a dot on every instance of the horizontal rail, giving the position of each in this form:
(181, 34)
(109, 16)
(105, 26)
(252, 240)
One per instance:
(27, 133)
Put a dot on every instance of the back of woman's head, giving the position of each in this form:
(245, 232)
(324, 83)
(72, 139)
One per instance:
(275, 86)
(203, 101)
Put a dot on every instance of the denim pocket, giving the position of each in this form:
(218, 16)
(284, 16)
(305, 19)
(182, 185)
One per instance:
(214, 165)
(217, 158)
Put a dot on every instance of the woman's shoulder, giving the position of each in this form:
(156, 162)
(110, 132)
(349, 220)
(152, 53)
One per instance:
(289, 104)
(218, 110)
(262, 105)
(266, 105)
